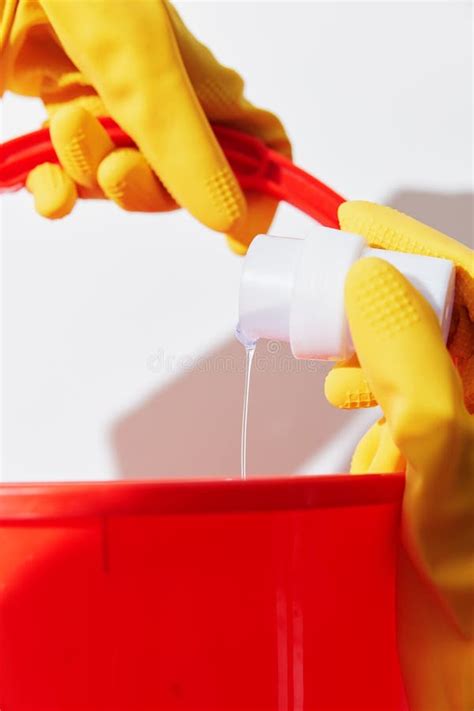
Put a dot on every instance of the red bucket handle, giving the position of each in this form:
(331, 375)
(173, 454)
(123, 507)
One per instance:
(256, 166)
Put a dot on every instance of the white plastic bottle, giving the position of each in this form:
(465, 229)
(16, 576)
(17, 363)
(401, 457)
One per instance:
(293, 290)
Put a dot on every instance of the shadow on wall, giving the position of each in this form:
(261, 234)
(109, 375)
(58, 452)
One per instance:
(452, 214)
(192, 426)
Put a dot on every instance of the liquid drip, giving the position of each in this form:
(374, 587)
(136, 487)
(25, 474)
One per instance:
(249, 346)
(249, 354)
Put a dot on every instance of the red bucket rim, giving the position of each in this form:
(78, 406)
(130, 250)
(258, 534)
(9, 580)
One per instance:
(51, 501)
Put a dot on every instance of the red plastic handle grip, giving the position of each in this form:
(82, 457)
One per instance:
(256, 166)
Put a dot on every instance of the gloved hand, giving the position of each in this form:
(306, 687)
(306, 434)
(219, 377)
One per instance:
(409, 370)
(346, 385)
(136, 62)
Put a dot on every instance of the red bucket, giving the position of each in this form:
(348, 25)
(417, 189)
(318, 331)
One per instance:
(200, 596)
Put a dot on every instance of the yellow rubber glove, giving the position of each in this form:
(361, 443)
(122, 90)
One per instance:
(408, 368)
(346, 386)
(135, 61)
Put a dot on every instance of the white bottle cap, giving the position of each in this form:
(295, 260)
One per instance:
(293, 289)
(318, 323)
(266, 287)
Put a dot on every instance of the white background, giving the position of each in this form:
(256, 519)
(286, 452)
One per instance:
(115, 326)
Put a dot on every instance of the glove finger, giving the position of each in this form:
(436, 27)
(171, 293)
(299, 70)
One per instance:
(387, 458)
(346, 386)
(260, 212)
(387, 228)
(221, 91)
(81, 143)
(377, 453)
(135, 65)
(400, 347)
(365, 450)
(390, 321)
(127, 179)
(81, 95)
(53, 190)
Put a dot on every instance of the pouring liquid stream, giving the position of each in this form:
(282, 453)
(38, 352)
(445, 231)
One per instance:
(249, 354)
